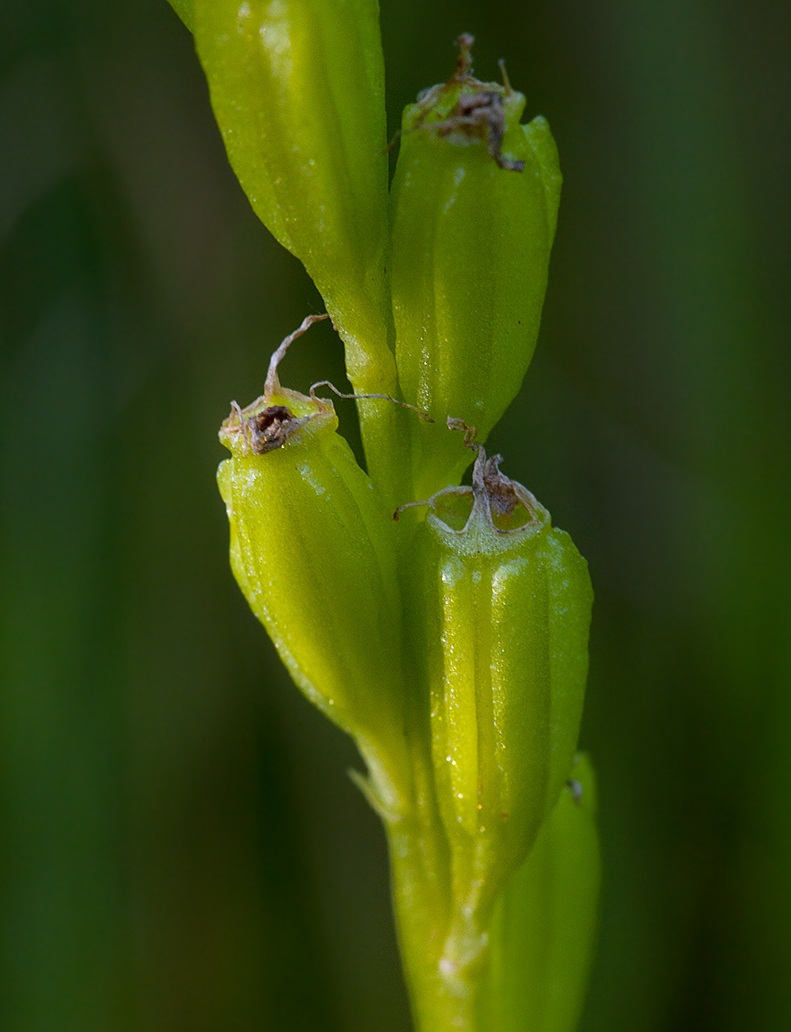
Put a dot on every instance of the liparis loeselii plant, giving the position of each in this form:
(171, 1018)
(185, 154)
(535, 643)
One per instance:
(443, 626)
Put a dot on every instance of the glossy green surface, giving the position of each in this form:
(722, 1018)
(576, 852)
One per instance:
(500, 618)
(507, 686)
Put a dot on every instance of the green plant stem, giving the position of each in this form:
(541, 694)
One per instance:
(441, 951)
(442, 1000)
(425, 906)
(383, 430)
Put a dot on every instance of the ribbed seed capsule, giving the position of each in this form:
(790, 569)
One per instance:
(504, 621)
(298, 92)
(312, 550)
(473, 206)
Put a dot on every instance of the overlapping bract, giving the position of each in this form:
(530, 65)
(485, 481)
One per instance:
(544, 925)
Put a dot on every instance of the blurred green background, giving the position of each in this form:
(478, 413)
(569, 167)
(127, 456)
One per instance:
(180, 847)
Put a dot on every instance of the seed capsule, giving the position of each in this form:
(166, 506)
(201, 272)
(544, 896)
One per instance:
(502, 608)
(473, 206)
(298, 92)
(312, 549)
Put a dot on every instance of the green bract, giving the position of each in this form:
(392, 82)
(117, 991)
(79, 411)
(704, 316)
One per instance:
(544, 924)
(297, 87)
(313, 550)
(473, 211)
(501, 614)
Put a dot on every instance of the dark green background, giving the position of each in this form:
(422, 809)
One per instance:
(181, 850)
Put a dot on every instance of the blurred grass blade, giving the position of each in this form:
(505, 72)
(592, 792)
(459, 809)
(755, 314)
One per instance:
(544, 925)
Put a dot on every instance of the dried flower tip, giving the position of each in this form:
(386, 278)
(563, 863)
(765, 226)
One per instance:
(264, 429)
(464, 60)
(478, 111)
(470, 432)
(495, 498)
(272, 385)
(278, 414)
